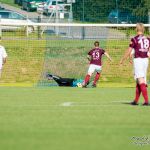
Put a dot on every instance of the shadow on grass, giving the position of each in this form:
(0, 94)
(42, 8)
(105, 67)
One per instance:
(126, 103)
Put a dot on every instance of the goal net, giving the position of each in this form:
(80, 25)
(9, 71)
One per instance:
(61, 49)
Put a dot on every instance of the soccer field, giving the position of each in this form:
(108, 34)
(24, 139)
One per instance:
(72, 119)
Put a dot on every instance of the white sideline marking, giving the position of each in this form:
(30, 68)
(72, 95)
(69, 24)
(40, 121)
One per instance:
(121, 101)
(75, 104)
(66, 104)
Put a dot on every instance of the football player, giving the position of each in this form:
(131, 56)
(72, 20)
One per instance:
(3, 56)
(140, 44)
(95, 57)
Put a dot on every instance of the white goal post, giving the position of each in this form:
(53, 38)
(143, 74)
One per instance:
(70, 24)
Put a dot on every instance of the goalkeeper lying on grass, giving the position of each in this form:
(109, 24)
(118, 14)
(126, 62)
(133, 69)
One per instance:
(70, 82)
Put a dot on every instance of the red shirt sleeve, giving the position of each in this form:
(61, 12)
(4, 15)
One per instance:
(132, 43)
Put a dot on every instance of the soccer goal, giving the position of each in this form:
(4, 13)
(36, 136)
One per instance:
(61, 49)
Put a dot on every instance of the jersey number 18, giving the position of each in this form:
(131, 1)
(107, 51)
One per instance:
(144, 43)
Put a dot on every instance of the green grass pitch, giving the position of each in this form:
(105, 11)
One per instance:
(71, 119)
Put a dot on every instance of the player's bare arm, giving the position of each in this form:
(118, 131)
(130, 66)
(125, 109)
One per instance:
(108, 56)
(131, 57)
(126, 55)
(89, 57)
(148, 53)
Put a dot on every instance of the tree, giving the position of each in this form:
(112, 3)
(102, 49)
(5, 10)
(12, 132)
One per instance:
(94, 10)
(98, 10)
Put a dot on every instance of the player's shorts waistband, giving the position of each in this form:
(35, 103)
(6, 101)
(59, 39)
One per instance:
(141, 58)
(96, 65)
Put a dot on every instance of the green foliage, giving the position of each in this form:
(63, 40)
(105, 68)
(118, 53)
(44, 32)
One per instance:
(98, 10)
(94, 10)
(11, 2)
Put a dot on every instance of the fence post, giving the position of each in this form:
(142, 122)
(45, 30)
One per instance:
(39, 28)
(83, 33)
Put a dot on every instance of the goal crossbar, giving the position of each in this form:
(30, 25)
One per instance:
(70, 24)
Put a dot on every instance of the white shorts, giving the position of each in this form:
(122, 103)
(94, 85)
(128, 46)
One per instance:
(93, 68)
(140, 68)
